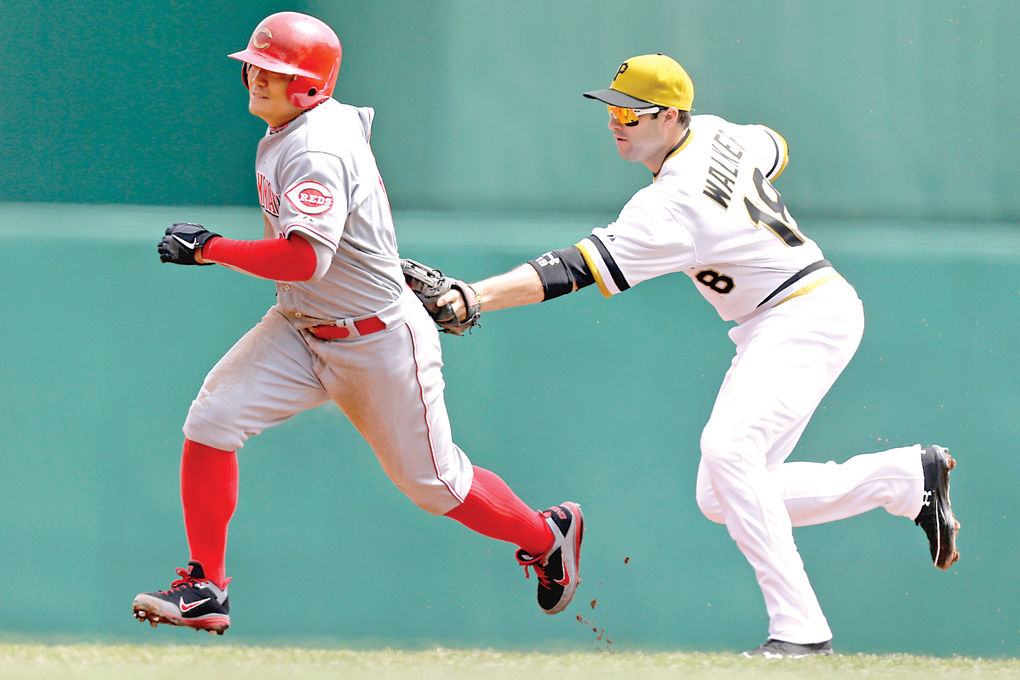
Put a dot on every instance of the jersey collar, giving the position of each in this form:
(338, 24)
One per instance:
(276, 130)
(681, 145)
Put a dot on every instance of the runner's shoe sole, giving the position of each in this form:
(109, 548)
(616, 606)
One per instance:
(780, 649)
(155, 611)
(571, 558)
(941, 536)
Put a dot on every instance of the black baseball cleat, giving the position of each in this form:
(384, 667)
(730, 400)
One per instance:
(192, 601)
(936, 516)
(779, 649)
(557, 569)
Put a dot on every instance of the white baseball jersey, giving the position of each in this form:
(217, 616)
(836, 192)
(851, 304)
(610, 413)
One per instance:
(317, 176)
(712, 213)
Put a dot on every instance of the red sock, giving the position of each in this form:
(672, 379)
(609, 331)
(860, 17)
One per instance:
(209, 496)
(493, 510)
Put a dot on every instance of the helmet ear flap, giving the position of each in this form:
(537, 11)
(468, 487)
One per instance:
(244, 74)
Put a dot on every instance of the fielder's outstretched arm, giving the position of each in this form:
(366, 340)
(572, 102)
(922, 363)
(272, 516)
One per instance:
(550, 275)
(517, 287)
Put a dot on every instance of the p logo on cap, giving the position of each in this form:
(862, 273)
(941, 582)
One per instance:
(648, 80)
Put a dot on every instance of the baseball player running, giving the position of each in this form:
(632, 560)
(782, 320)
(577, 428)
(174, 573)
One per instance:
(345, 328)
(712, 212)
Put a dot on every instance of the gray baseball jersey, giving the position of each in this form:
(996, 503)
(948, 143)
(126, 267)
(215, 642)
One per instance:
(317, 176)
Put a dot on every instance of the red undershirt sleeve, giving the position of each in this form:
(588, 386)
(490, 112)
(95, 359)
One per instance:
(279, 259)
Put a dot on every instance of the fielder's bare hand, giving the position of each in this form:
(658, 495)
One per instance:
(519, 286)
(455, 299)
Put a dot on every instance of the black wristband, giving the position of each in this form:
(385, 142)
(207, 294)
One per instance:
(560, 270)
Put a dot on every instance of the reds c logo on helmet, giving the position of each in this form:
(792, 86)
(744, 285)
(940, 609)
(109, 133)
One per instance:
(297, 45)
(260, 38)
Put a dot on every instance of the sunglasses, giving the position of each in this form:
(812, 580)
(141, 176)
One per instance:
(629, 117)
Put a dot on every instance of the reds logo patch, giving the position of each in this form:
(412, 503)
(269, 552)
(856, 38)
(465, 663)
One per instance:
(310, 198)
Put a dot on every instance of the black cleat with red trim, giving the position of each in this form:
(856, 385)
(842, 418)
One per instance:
(558, 569)
(192, 601)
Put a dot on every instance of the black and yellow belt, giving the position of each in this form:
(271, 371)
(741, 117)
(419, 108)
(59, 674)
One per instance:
(813, 267)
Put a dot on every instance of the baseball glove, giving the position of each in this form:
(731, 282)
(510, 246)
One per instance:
(429, 285)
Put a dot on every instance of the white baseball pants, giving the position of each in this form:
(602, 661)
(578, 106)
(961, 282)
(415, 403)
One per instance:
(786, 360)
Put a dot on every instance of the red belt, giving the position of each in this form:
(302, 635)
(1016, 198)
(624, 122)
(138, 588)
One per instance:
(364, 326)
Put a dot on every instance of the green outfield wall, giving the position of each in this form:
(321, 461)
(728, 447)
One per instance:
(903, 109)
(901, 119)
(600, 401)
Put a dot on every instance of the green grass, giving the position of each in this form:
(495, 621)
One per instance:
(149, 662)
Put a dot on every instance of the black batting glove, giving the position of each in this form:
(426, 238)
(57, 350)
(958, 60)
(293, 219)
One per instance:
(181, 242)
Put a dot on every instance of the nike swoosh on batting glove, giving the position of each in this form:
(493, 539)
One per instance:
(181, 241)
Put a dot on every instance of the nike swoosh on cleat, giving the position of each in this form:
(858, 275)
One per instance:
(565, 581)
(186, 244)
(188, 606)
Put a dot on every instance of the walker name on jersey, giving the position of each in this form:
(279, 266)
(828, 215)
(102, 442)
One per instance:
(722, 169)
(269, 201)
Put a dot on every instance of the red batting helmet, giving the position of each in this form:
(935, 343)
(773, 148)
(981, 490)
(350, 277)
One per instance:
(296, 45)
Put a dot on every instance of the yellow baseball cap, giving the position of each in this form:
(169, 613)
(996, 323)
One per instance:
(648, 80)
